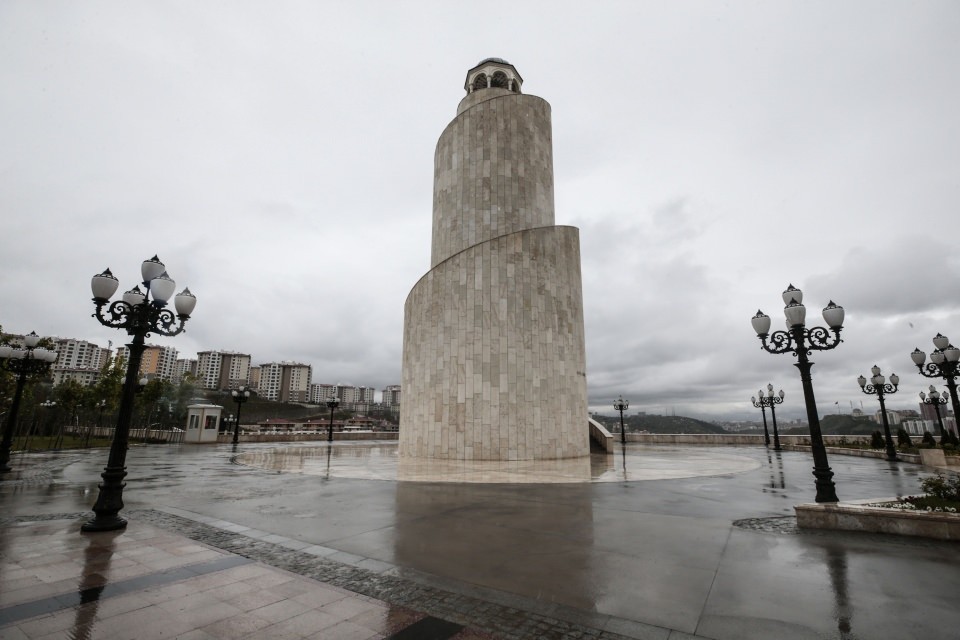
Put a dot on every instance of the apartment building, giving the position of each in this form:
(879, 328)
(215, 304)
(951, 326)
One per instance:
(929, 412)
(347, 394)
(223, 369)
(79, 360)
(917, 426)
(352, 398)
(285, 381)
(320, 393)
(183, 367)
(390, 396)
(80, 354)
(157, 362)
(365, 395)
(85, 377)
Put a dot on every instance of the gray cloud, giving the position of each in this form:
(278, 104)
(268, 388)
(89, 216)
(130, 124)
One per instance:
(279, 159)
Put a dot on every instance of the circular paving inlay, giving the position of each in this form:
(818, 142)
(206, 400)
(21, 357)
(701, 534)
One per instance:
(379, 461)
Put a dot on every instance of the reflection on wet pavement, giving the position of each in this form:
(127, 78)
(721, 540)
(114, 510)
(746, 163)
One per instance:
(837, 566)
(96, 567)
(639, 557)
(381, 462)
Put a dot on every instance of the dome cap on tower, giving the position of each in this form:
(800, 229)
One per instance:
(493, 73)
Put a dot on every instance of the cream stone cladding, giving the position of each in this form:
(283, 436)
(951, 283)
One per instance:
(493, 171)
(493, 348)
(494, 361)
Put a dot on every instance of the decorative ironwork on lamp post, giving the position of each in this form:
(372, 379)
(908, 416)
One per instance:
(621, 405)
(801, 341)
(936, 400)
(944, 363)
(140, 314)
(25, 362)
(879, 387)
(240, 395)
(332, 402)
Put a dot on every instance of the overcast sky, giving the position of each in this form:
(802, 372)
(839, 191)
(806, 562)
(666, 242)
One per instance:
(278, 157)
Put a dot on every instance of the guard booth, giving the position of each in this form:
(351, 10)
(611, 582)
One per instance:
(203, 423)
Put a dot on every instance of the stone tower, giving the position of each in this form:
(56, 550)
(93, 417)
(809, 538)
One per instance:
(493, 348)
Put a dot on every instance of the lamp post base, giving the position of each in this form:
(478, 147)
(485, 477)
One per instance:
(104, 522)
(826, 490)
(110, 501)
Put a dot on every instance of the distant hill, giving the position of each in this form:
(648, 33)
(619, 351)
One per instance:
(660, 424)
(839, 425)
(256, 409)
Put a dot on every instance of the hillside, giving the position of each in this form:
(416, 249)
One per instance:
(839, 425)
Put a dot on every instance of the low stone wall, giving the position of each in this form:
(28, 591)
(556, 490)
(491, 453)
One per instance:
(600, 435)
(226, 438)
(172, 436)
(715, 439)
(927, 457)
(858, 453)
(854, 516)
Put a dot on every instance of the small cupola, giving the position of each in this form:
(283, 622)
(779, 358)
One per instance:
(493, 73)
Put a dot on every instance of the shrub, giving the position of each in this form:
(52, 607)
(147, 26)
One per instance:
(942, 487)
(928, 440)
(903, 438)
(876, 440)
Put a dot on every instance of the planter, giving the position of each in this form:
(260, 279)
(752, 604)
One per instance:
(854, 516)
(933, 458)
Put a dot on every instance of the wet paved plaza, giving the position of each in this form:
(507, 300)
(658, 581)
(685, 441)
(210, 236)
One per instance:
(276, 541)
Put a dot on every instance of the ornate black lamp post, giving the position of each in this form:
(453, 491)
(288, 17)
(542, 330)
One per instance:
(101, 407)
(801, 341)
(763, 412)
(944, 363)
(622, 405)
(25, 362)
(240, 395)
(140, 313)
(936, 400)
(333, 403)
(771, 400)
(880, 388)
(41, 428)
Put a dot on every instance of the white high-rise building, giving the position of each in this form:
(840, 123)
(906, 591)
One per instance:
(183, 367)
(349, 395)
(79, 360)
(390, 396)
(223, 369)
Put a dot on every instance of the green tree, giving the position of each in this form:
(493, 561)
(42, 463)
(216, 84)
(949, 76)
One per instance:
(148, 399)
(179, 397)
(69, 396)
(903, 438)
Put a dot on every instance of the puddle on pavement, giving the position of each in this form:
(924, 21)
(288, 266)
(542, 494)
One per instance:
(380, 461)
